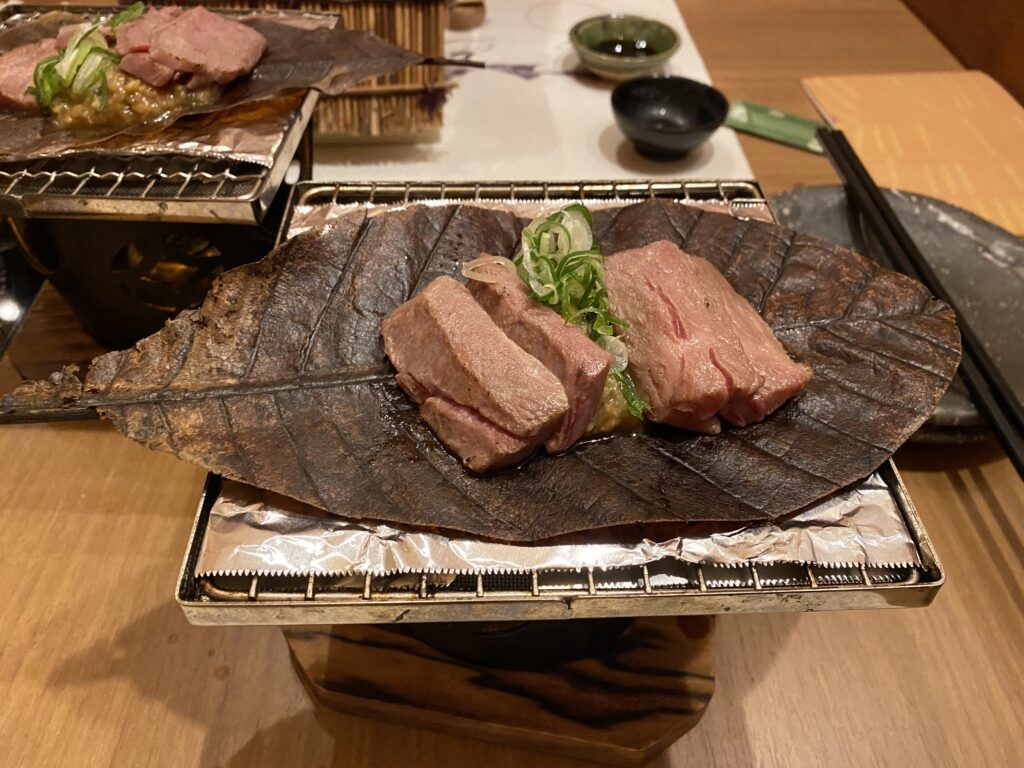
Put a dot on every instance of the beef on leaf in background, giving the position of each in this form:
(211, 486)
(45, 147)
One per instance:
(301, 53)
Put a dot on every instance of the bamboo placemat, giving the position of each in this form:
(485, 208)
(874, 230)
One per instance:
(956, 136)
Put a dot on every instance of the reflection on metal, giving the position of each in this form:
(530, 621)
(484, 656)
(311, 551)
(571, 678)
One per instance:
(10, 310)
(18, 284)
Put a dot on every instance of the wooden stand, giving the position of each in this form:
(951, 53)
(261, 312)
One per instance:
(624, 704)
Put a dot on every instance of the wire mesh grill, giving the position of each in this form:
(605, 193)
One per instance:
(734, 194)
(659, 577)
(179, 179)
(666, 586)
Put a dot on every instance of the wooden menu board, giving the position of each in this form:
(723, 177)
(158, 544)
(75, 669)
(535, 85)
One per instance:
(956, 136)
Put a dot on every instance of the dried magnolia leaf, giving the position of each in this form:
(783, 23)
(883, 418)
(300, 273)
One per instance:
(302, 53)
(280, 380)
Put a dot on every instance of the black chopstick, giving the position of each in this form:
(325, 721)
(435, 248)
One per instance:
(990, 391)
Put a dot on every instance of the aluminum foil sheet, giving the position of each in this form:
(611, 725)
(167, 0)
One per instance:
(255, 532)
(252, 133)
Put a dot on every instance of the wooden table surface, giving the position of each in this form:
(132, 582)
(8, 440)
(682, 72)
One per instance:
(98, 667)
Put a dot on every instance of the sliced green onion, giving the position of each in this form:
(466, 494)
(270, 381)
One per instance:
(578, 222)
(104, 92)
(79, 70)
(634, 401)
(131, 13)
(620, 355)
(78, 48)
(93, 69)
(563, 267)
(45, 80)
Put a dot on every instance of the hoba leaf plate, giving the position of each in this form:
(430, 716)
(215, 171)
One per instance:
(280, 380)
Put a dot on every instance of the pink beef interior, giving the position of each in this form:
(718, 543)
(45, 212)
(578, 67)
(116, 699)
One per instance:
(16, 69)
(783, 378)
(207, 44)
(686, 360)
(446, 348)
(480, 444)
(696, 347)
(142, 66)
(564, 349)
(137, 36)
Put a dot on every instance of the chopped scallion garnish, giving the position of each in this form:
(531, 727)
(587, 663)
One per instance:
(563, 267)
(131, 13)
(80, 70)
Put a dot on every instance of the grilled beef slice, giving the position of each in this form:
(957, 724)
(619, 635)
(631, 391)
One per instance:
(684, 355)
(144, 67)
(484, 397)
(783, 378)
(137, 36)
(17, 67)
(564, 349)
(209, 45)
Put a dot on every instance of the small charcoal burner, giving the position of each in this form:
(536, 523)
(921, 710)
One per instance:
(130, 241)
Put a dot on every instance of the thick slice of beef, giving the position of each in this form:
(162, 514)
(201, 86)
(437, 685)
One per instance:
(564, 349)
(137, 36)
(684, 354)
(208, 44)
(142, 66)
(448, 350)
(16, 69)
(783, 378)
(481, 444)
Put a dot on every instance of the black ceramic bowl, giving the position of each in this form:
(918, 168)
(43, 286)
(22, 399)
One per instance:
(666, 117)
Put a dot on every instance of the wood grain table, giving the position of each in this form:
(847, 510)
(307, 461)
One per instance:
(98, 667)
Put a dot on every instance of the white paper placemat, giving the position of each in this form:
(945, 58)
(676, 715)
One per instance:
(551, 126)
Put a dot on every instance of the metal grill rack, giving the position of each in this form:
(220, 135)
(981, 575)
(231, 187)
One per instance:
(739, 197)
(668, 587)
(665, 587)
(155, 188)
(182, 188)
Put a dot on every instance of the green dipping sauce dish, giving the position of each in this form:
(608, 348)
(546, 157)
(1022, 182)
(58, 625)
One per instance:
(618, 46)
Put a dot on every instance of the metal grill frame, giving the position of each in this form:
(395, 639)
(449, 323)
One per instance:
(740, 196)
(667, 587)
(144, 187)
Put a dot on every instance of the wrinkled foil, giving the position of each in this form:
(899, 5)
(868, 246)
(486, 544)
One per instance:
(251, 133)
(255, 532)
